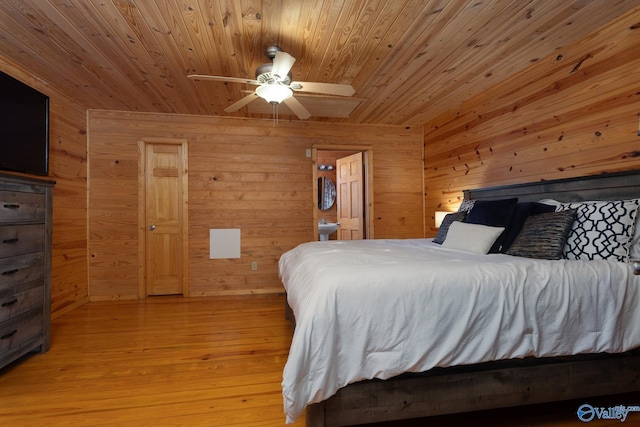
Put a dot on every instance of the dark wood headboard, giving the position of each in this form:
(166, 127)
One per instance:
(610, 186)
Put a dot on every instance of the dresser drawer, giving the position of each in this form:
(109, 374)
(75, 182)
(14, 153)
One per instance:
(20, 300)
(21, 239)
(20, 329)
(21, 269)
(17, 206)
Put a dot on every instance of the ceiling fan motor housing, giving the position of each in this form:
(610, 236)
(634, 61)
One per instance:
(263, 75)
(271, 51)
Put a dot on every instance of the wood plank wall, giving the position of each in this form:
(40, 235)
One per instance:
(245, 174)
(68, 167)
(570, 114)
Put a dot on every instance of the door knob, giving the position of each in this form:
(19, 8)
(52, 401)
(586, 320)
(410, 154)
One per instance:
(152, 227)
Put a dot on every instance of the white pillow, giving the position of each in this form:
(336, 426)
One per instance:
(466, 205)
(476, 238)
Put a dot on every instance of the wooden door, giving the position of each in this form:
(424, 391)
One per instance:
(164, 200)
(350, 197)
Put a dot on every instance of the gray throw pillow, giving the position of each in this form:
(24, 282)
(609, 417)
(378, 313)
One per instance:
(543, 236)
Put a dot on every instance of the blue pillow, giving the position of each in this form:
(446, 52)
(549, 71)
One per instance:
(494, 213)
(523, 211)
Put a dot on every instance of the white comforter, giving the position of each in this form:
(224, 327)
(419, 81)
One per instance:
(378, 308)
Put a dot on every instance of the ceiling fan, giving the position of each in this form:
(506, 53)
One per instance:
(275, 85)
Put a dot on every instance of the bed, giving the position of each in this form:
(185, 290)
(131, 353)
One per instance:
(451, 330)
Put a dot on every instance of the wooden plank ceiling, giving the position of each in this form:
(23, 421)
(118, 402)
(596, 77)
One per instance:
(408, 60)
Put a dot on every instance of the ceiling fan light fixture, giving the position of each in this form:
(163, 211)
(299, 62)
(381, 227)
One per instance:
(274, 93)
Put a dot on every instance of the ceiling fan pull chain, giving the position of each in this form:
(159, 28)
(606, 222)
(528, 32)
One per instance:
(274, 110)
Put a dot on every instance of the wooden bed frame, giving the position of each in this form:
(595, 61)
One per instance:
(496, 384)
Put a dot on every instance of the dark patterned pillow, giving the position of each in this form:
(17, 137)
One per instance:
(543, 235)
(446, 223)
(602, 230)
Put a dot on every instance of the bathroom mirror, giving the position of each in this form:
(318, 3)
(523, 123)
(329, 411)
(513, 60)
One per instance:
(326, 193)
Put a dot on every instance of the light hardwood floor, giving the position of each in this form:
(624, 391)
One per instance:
(161, 361)
(170, 361)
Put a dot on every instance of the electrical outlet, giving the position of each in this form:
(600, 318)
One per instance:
(254, 266)
(308, 152)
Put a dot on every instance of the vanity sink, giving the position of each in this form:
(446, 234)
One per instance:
(326, 228)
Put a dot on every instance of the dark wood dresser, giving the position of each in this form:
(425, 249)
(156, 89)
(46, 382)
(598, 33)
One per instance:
(25, 266)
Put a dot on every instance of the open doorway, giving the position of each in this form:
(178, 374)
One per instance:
(353, 203)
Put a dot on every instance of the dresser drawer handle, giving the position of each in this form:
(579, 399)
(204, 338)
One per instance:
(11, 206)
(10, 272)
(9, 335)
(9, 303)
(14, 240)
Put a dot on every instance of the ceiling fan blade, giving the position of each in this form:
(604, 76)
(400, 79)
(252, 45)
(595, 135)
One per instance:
(239, 104)
(282, 64)
(328, 88)
(223, 79)
(297, 108)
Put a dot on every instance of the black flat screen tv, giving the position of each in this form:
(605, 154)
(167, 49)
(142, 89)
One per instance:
(24, 128)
